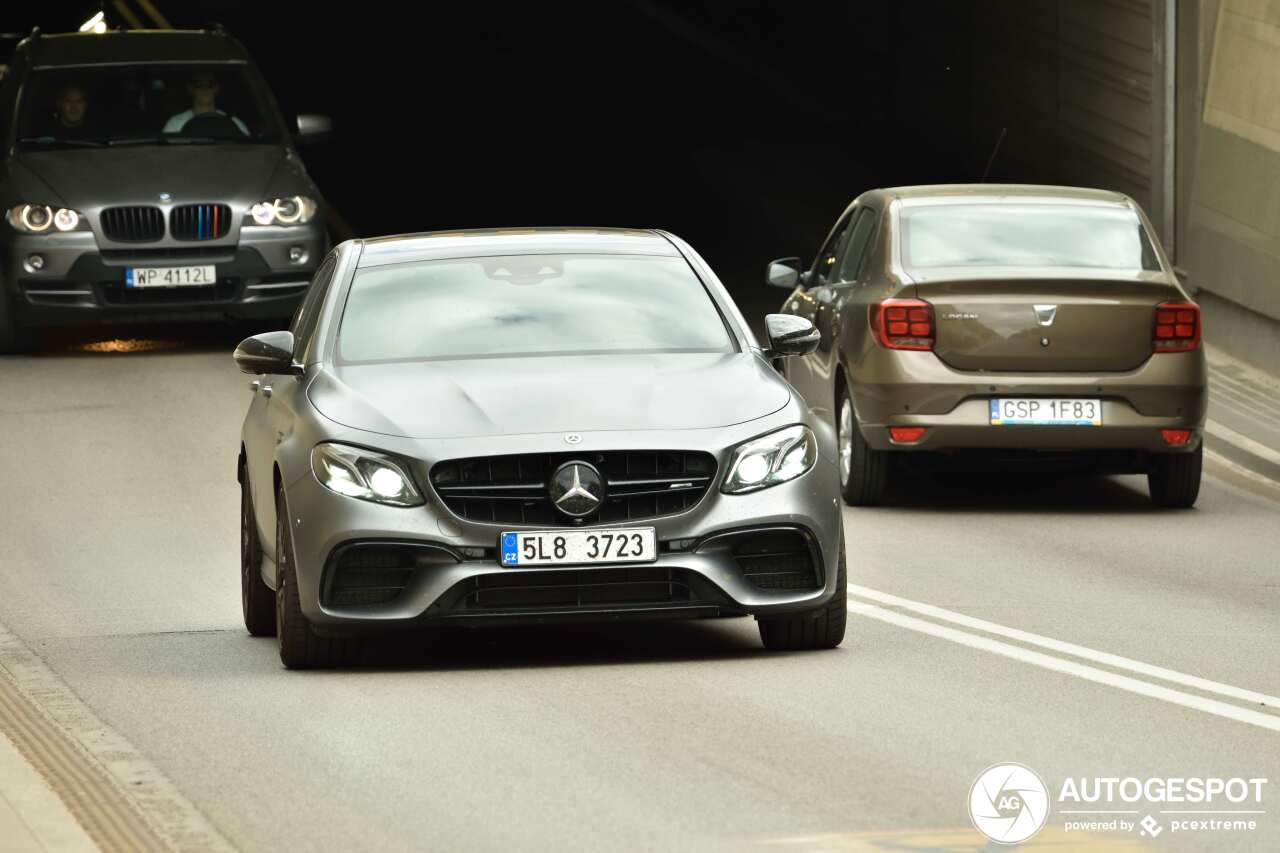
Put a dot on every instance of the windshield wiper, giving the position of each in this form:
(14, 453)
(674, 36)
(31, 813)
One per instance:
(53, 140)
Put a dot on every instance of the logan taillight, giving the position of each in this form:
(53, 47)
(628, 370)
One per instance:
(903, 323)
(1177, 327)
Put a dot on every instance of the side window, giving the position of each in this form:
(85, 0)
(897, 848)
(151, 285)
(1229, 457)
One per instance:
(824, 267)
(854, 259)
(304, 322)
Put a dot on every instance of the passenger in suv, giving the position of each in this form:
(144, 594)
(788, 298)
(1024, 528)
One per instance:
(113, 215)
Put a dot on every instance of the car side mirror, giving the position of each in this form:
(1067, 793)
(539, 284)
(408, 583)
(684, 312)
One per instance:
(784, 273)
(269, 352)
(313, 128)
(790, 335)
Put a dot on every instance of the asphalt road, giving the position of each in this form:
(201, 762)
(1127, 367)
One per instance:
(118, 567)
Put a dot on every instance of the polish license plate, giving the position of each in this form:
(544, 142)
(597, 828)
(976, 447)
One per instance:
(1041, 411)
(578, 547)
(202, 276)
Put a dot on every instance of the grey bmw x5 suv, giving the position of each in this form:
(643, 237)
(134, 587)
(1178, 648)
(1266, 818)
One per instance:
(148, 177)
(527, 426)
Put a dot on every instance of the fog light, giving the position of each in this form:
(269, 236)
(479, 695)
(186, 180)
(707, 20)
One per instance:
(1176, 437)
(297, 255)
(906, 435)
(34, 263)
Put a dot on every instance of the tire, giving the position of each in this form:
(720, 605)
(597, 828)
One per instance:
(301, 647)
(257, 601)
(1174, 479)
(14, 339)
(819, 628)
(864, 471)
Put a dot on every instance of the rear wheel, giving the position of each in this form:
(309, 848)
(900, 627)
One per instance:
(257, 601)
(1174, 478)
(301, 647)
(819, 628)
(864, 471)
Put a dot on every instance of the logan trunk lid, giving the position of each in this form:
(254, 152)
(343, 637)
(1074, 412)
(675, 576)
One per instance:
(998, 320)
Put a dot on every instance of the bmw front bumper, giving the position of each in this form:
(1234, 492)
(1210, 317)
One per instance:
(78, 283)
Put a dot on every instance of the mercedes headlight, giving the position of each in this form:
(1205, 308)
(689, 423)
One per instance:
(771, 459)
(363, 474)
(292, 210)
(43, 219)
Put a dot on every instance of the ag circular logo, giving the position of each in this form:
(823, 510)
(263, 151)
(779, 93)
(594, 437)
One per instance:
(1008, 803)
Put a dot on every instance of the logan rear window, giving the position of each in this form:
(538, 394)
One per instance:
(1024, 235)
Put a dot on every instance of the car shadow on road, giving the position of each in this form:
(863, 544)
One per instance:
(561, 646)
(1015, 487)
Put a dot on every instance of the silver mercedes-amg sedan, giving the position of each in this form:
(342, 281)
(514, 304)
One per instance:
(502, 426)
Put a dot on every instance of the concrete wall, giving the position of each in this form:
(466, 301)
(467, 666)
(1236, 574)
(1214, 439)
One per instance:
(1229, 168)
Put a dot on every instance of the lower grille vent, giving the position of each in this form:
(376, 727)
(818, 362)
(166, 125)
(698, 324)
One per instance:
(781, 560)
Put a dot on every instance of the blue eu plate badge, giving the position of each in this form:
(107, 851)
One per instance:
(510, 551)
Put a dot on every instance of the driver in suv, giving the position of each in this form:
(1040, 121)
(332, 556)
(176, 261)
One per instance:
(148, 177)
(204, 96)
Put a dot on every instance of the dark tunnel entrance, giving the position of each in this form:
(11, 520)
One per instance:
(743, 128)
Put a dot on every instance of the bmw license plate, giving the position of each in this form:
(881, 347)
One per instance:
(578, 547)
(1042, 411)
(201, 276)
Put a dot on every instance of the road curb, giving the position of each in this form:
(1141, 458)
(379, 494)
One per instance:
(121, 801)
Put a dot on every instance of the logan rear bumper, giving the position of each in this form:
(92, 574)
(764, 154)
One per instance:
(1168, 391)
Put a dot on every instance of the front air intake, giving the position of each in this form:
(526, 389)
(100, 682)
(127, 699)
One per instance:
(639, 484)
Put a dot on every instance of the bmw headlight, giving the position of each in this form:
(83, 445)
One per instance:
(43, 219)
(771, 459)
(363, 474)
(291, 210)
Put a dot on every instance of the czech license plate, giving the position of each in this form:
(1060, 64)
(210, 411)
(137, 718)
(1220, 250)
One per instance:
(1041, 411)
(578, 547)
(170, 276)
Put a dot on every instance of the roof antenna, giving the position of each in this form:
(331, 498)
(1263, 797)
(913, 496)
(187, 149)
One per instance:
(992, 158)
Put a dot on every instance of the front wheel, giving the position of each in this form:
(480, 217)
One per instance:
(819, 628)
(300, 647)
(13, 338)
(257, 601)
(864, 471)
(1174, 479)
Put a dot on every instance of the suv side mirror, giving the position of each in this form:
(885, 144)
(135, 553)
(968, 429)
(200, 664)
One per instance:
(790, 335)
(314, 128)
(269, 352)
(784, 273)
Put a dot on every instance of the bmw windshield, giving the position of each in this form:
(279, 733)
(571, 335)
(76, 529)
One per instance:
(528, 305)
(145, 104)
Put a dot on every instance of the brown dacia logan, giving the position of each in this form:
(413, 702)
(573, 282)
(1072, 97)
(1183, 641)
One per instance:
(1007, 320)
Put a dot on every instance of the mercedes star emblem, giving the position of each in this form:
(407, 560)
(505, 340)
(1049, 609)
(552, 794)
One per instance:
(577, 489)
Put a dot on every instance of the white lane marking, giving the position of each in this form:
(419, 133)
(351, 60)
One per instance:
(1227, 434)
(1079, 670)
(1072, 649)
